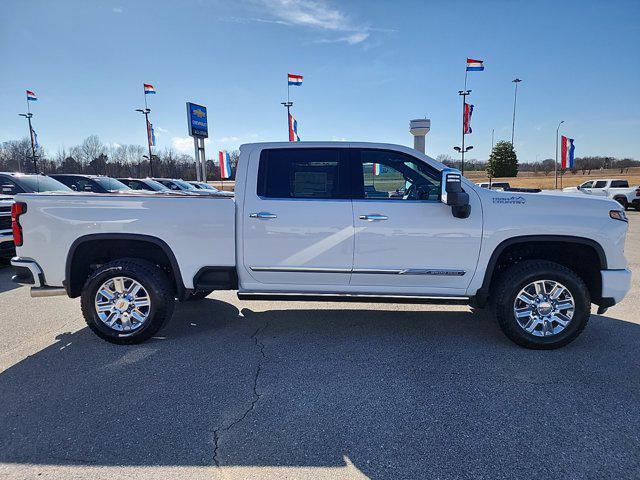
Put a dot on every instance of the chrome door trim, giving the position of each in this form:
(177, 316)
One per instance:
(433, 271)
(368, 271)
(301, 269)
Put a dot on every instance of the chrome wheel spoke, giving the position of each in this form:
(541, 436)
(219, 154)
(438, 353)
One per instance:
(142, 302)
(565, 305)
(103, 307)
(138, 315)
(106, 293)
(556, 291)
(118, 284)
(134, 289)
(526, 297)
(531, 325)
(561, 319)
(539, 286)
(523, 312)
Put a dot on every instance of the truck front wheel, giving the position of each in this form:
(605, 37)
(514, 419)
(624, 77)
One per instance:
(127, 301)
(541, 304)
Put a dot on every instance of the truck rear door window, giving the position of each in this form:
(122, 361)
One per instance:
(320, 173)
(619, 184)
(600, 184)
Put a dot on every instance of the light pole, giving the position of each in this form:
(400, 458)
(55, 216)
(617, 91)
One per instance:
(556, 162)
(463, 94)
(463, 150)
(515, 98)
(146, 112)
(33, 147)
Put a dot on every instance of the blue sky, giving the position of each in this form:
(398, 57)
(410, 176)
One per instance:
(368, 66)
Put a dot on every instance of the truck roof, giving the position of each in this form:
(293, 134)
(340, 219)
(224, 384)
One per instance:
(339, 144)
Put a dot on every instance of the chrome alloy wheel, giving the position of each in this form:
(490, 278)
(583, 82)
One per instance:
(544, 308)
(122, 304)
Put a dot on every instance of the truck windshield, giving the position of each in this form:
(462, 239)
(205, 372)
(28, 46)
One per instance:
(41, 183)
(110, 184)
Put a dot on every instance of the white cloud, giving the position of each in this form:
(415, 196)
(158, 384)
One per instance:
(117, 10)
(229, 139)
(185, 144)
(160, 130)
(317, 14)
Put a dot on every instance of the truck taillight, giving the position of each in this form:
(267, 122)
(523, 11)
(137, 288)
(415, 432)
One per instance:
(17, 209)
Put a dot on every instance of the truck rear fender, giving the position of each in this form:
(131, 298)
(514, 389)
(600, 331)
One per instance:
(89, 251)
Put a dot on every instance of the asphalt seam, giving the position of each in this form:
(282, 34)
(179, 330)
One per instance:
(256, 395)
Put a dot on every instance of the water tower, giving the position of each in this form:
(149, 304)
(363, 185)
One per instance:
(419, 129)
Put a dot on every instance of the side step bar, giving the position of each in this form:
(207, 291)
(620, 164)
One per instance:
(352, 298)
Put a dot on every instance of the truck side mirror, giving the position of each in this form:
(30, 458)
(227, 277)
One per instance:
(451, 193)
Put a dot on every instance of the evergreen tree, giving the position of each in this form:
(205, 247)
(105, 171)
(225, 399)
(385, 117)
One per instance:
(503, 161)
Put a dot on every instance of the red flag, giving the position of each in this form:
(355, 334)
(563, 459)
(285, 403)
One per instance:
(468, 111)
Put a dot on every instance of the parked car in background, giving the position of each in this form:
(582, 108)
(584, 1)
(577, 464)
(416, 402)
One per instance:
(179, 185)
(203, 186)
(146, 184)
(495, 185)
(14, 183)
(209, 188)
(91, 183)
(7, 249)
(617, 189)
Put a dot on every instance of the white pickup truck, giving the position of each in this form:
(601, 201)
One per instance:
(616, 189)
(329, 221)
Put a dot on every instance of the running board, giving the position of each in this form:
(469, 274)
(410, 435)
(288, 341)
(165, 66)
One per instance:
(332, 297)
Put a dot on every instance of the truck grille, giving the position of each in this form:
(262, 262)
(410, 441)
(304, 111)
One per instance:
(5, 222)
(5, 209)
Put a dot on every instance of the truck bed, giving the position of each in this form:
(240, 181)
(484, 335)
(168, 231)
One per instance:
(200, 231)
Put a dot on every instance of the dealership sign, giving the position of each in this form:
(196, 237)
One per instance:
(197, 120)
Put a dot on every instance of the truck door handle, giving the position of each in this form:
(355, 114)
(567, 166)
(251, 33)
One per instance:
(374, 217)
(265, 215)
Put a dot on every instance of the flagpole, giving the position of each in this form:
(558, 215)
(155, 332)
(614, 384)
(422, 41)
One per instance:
(556, 162)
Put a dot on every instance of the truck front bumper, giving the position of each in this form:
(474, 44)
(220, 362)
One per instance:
(615, 285)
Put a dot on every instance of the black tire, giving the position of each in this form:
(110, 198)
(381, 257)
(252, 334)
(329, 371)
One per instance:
(623, 202)
(154, 281)
(199, 295)
(515, 278)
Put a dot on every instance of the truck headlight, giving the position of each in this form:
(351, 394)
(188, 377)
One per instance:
(618, 215)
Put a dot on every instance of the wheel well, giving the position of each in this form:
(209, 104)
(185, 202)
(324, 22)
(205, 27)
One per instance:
(86, 255)
(582, 258)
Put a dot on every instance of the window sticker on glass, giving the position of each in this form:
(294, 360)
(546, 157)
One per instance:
(310, 184)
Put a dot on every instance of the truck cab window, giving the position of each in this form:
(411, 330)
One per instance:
(600, 184)
(388, 175)
(303, 173)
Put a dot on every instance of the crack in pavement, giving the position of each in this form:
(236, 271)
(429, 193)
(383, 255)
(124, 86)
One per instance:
(256, 396)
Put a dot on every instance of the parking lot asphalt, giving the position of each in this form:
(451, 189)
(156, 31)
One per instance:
(238, 389)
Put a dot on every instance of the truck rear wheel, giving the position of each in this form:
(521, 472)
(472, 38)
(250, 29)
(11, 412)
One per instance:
(127, 301)
(623, 202)
(541, 304)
